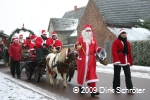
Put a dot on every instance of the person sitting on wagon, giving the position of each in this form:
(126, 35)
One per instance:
(21, 40)
(32, 53)
(4, 41)
(42, 43)
(32, 37)
(56, 43)
(30, 41)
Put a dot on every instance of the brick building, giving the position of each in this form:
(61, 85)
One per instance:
(107, 17)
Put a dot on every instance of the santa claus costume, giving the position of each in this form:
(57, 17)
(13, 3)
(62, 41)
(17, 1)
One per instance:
(40, 41)
(86, 64)
(56, 43)
(122, 57)
(21, 40)
(41, 46)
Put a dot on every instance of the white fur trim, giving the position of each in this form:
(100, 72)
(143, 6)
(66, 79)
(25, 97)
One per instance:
(32, 42)
(44, 33)
(117, 63)
(79, 58)
(54, 42)
(122, 31)
(86, 63)
(43, 41)
(31, 49)
(93, 80)
(16, 39)
(88, 28)
(124, 64)
(126, 61)
(66, 53)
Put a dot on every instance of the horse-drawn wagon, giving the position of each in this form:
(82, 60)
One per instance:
(33, 66)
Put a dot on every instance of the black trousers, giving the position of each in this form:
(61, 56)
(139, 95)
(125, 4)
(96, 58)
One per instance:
(41, 53)
(15, 67)
(116, 79)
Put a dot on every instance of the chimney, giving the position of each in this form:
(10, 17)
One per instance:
(75, 9)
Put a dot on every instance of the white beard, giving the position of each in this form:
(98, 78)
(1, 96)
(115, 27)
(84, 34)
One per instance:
(87, 36)
(21, 40)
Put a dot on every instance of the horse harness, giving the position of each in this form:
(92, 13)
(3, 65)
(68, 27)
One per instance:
(54, 65)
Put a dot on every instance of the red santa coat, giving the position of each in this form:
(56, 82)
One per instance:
(39, 42)
(57, 43)
(117, 53)
(86, 64)
(15, 51)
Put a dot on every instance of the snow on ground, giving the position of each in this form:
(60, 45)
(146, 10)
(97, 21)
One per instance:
(136, 71)
(15, 89)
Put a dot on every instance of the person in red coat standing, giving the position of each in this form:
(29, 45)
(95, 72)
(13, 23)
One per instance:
(122, 57)
(42, 43)
(15, 55)
(56, 43)
(86, 64)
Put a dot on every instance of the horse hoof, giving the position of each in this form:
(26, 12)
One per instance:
(69, 80)
(65, 87)
(51, 84)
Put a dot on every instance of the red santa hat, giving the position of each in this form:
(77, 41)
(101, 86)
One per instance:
(121, 31)
(31, 47)
(43, 32)
(89, 27)
(15, 39)
(21, 35)
(33, 37)
(54, 33)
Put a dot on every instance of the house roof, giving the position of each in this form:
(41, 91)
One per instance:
(75, 15)
(123, 12)
(133, 33)
(74, 34)
(63, 24)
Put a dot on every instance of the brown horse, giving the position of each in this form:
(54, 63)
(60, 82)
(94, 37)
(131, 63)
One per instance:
(59, 64)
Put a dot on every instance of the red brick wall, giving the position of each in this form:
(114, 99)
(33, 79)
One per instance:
(93, 17)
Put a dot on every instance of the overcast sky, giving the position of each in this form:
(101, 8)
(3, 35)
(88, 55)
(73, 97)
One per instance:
(35, 14)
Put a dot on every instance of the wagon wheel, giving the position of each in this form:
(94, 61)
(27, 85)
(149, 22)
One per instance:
(37, 74)
(28, 72)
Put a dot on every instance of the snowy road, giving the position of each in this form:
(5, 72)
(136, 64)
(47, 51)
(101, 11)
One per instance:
(16, 89)
(136, 71)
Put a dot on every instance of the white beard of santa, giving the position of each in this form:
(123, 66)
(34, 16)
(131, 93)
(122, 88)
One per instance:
(87, 37)
(21, 40)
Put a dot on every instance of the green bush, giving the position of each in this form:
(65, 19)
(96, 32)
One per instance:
(141, 52)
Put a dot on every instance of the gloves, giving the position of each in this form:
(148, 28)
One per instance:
(98, 49)
(58, 48)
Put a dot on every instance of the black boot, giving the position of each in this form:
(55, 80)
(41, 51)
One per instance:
(13, 76)
(18, 76)
(94, 93)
